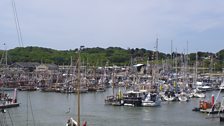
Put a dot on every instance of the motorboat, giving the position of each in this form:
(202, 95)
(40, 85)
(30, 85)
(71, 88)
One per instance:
(169, 96)
(183, 97)
(197, 94)
(151, 100)
(133, 98)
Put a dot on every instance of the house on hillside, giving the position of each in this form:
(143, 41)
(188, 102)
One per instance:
(26, 66)
(49, 68)
(46, 74)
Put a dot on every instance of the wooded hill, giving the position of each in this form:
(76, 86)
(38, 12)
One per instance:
(110, 56)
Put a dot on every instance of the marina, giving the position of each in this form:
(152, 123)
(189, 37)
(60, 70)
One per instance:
(143, 94)
(140, 94)
(127, 75)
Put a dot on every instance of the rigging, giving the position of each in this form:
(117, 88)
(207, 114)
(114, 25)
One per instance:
(16, 19)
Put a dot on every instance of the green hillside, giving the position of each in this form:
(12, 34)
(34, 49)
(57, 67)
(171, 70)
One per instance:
(100, 56)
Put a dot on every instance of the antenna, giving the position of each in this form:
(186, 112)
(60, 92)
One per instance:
(157, 41)
(6, 53)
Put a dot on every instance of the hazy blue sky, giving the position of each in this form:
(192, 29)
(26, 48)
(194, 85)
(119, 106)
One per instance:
(67, 24)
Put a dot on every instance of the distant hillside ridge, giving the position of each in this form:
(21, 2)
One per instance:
(98, 56)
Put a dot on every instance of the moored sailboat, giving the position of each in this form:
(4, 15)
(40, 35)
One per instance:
(115, 100)
(71, 121)
(9, 103)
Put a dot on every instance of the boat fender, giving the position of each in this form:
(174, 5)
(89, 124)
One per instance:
(85, 123)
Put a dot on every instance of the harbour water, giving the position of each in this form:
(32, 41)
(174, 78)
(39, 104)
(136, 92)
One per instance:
(53, 109)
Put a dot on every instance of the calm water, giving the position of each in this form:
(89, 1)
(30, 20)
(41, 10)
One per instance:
(49, 109)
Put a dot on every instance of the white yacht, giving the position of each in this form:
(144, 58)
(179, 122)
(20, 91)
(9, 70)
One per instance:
(151, 100)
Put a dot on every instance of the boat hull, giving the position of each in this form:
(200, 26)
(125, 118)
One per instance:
(151, 104)
(11, 105)
(132, 101)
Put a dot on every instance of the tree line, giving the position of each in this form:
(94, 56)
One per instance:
(107, 56)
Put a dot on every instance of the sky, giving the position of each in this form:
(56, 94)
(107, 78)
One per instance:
(69, 24)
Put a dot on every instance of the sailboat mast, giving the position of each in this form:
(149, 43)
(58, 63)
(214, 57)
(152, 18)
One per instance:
(6, 60)
(6, 53)
(187, 58)
(78, 94)
(113, 82)
(71, 63)
(196, 65)
(78, 89)
(171, 54)
(187, 67)
(157, 55)
(79, 81)
(156, 63)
